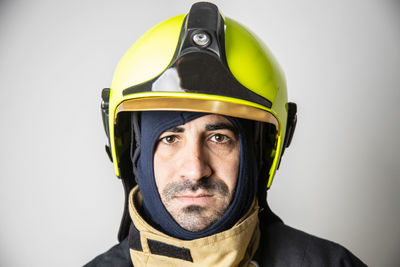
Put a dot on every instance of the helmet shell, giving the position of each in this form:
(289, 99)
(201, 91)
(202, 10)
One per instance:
(246, 59)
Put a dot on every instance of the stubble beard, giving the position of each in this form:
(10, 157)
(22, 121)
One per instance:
(196, 218)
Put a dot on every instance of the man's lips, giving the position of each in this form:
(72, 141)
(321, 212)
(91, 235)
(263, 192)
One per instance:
(195, 199)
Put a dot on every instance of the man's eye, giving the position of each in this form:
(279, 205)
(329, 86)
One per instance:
(220, 138)
(169, 139)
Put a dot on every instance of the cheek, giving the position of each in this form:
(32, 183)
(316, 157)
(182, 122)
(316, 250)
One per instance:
(227, 169)
(162, 170)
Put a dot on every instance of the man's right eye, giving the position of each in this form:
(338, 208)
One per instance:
(170, 139)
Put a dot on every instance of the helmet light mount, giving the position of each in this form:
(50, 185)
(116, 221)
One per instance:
(201, 39)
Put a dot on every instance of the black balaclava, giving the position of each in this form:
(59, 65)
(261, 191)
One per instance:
(152, 125)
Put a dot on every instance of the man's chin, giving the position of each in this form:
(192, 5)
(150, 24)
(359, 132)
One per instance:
(195, 209)
(194, 218)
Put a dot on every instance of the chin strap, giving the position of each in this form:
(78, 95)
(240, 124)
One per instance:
(127, 177)
(123, 231)
(128, 173)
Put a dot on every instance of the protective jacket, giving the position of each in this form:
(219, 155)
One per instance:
(258, 239)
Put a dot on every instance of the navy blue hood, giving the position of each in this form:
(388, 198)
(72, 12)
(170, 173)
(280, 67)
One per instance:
(152, 125)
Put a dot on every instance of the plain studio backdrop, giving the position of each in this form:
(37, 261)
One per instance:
(60, 202)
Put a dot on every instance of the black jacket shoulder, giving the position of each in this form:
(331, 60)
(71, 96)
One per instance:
(281, 245)
(117, 256)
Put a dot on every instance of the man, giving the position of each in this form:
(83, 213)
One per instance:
(198, 119)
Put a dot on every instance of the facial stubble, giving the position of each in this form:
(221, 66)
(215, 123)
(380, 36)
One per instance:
(195, 218)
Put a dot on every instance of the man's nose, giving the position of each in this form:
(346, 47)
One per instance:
(194, 162)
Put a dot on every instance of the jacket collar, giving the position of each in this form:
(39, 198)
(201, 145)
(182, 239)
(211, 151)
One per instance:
(233, 247)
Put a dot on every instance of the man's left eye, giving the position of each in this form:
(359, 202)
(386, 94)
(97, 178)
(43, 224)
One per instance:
(171, 139)
(219, 138)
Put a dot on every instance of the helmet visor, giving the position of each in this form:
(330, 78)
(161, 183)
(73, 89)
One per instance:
(199, 72)
(198, 81)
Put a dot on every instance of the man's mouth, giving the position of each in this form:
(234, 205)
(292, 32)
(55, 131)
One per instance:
(195, 199)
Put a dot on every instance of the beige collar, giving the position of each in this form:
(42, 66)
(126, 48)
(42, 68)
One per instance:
(150, 247)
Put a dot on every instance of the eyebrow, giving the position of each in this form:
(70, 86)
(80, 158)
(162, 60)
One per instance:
(175, 129)
(221, 126)
(209, 127)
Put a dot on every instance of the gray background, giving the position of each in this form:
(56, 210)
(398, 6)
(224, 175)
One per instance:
(60, 202)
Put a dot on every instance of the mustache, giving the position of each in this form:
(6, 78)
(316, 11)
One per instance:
(208, 184)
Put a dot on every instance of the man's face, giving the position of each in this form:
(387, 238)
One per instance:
(196, 168)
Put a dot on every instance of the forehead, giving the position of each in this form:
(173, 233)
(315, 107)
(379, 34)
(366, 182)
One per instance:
(207, 119)
(207, 122)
